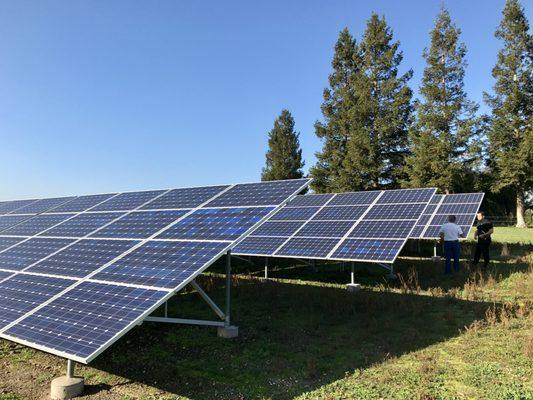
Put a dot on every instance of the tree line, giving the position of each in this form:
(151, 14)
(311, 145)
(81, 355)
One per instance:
(376, 136)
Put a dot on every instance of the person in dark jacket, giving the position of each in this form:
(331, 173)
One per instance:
(484, 230)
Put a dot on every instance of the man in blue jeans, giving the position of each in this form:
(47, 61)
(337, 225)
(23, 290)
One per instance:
(450, 233)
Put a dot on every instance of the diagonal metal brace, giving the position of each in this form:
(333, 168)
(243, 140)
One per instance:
(208, 300)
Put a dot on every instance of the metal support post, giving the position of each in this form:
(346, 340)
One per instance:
(352, 280)
(352, 286)
(70, 368)
(266, 267)
(166, 309)
(228, 289)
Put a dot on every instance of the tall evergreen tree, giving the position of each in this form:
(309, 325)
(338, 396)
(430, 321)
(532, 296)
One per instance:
(446, 127)
(511, 132)
(284, 156)
(338, 117)
(366, 112)
(381, 113)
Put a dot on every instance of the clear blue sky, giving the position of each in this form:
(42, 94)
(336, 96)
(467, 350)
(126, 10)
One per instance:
(100, 96)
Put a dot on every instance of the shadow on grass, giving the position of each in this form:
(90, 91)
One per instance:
(293, 339)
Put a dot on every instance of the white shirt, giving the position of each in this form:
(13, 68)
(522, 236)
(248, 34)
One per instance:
(451, 231)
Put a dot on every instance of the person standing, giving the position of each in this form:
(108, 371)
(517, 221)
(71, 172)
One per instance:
(450, 233)
(484, 230)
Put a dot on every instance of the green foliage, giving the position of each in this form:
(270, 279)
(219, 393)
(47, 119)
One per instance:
(284, 156)
(366, 111)
(511, 131)
(443, 137)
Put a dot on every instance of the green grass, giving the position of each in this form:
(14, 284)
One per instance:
(302, 335)
(507, 234)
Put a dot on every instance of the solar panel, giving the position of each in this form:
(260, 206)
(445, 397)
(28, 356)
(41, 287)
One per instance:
(128, 201)
(82, 224)
(6, 242)
(21, 293)
(7, 221)
(82, 258)
(184, 198)
(7, 207)
(161, 264)
(36, 224)
(366, 226)
(123, 257)
(463, 205)
(216, 223)
(82, 203)
(43, 205)
(84, 319)
(139, 225)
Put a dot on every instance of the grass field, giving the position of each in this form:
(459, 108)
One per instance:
(302, 335)
(510, 235)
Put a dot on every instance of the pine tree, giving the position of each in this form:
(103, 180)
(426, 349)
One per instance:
(366, 111)
(337, 111)
(511, 132)
(381, 114)
(446, 128)
(284, 156)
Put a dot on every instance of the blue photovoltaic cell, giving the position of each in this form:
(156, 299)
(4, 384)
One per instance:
(285, 228)
(11, 206)
(417, 231)
(368, 250)
(139, 225)
(294, 213)
(463, 198)
(85, 318)
(325, 228)
(395, 211)
(6, 242)
(184, 198)
(382, 229)
(82, 203)
(83, 257)
(216, 224)
(258, 194)
(128, 201)
(7, 221)
(37, 224)
(259, 245)
(22, 293)
(424, 219)
(4, 275)
(308, 247)
(82, 224)
(43, 205)
(407, 196)
(436, 199)
(161, 264)
(29, 252)
(354, 199)
(430, 208)
(350, 213)
(315, 200)
(458, 208)
(461, 219)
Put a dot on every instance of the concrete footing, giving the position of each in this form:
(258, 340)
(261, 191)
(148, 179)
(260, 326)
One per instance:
(66, 388)
(436, 259)
(228, 332)
(353, 287)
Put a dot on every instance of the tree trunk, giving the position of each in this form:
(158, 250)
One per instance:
(520, 220)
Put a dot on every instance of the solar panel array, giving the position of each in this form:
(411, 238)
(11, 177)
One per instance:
(77, 273)
(358, 226)
(463, 205)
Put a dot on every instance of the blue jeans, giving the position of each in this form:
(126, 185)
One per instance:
(452, 250)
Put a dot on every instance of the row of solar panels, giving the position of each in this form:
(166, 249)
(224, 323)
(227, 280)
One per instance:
(76, 276)
(361, 226)
(73, 283)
